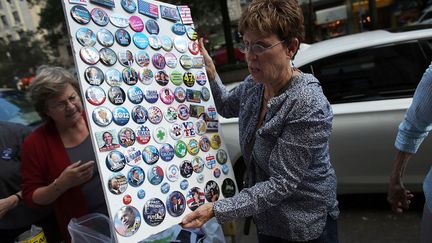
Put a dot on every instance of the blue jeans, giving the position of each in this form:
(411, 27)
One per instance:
(329, 235)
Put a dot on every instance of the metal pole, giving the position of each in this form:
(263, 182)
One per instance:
(373, 14)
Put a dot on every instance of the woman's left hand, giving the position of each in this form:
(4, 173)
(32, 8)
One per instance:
(198, 217)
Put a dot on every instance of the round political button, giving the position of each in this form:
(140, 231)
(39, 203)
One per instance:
(80, 14)
(195, 198)
(150, 154)
(155, 115)
(107, 56)
(191, 33)
(140, 40)
(210, 161)
(225, 169)
(197, 164)
(130, 76)
(170, 113)
(126, 137)
(127, 199)
(171, 60)
(117, 183)
(176, 76)
(176, 203)
(141, 194)
(128, 5)
(188, 79)
(186, 169)
(116, 95)
(183, 112)
(216, 172)
(119, 20)
(136, 176)
(127, 221)
(166, 42)
(135, 95)
(155, 42)
(125, 58)
(113, 77)
(160, 135)
(159, 61)
(166, 95)
(176, 132)
(154, 212)
(186, 62)
(139, 114)
(142, 58)
(102, 116)
(115, 161)
(200, 177)
(180, 44)
(136, 23)
(180, 148)
(95, 95)
(120, 115)
(105, 37)
(162, 78)
(215, 141)
(180, 94)
(200, 127)
(201, 78)
(145, 75)
(151, 96)
(122, 37)
(155, 175)
(133, 156)
(211, 191)
(86, 37)
(165, 187)
(193, 47)
(94, 76)
(193, 147)
(143, 135)
(204, 144)
(172, 172)
(99, 17)
(152, 27)
(205, 94)
(166, 152)
(228, 188)
(89, 55)
(178, 29)
(184, 184)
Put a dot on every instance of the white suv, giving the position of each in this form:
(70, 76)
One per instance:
(369, 78)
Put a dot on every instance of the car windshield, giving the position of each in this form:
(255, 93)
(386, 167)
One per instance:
(16, 108)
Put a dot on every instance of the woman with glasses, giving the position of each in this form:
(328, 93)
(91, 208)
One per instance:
(57, 158)
(285, 123)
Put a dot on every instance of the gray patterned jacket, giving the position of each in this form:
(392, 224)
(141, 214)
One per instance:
(292, 183)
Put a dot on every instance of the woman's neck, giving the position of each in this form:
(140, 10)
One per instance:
(272, 89)
(75, 134)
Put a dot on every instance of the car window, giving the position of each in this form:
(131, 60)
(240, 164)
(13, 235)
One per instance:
(16, 108)
(383, 72)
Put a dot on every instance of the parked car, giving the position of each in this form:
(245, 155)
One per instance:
(425, 17)
(14, 107)
(369, 78)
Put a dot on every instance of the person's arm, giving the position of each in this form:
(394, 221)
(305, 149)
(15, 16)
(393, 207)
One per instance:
(399, 197)
(9, 203)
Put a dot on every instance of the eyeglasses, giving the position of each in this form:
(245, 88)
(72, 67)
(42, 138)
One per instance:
(257, 49)
(60, 106)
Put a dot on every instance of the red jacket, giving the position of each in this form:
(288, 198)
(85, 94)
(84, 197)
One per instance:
(44, 158)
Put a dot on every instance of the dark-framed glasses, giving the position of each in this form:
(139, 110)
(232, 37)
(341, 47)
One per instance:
(257, 49)
(61, 106)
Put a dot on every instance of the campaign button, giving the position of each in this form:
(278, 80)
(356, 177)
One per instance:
(165, 187)
(115, 161)
(195, 198)
(133, 156)
(193, 147)
(197, 164)
(201, 78)
(172, 172)
(215, 141)
(166, 95)
(148, 9)
(155, 42)
(216, 172)
(139, 114)
(141, 193)
(99, 17)
(89, 55)
(198, 62)
(130, 76)
(102, 116)
(166, 152)
(176, 133)
(205, 94)
(186, 62)
(127, 199)
(180, 147)
(155, 175)
(160, 135)
(151, 96)
(105, 3)
(204, 144)
(184, 184)
(169, 13)
(122, 37)
(107, 56)
(188, 129)
(127, 221)
(176, 77)
(128, 5)
(113, 77)
(178, 28)
(140, 40)
(125, 58)
(186, 169)
(117, 183)
(105, 37)
(210, 161)
(80, 14)
(155, 115)
(119, 20)
(136, 23)
(154, 212)
(162, 78)
(126, 137)
(171, 114)
(188, 79)
(120, 116)
(181, 44)
(191, 33)
(194, 96)
(200, 127)
(86, 37)
(228, 188)
(225, 169)
(150, 154)
(166, 42)
(136, 176)
(152, 27)
(193, 47)
(183, 112)
(158, 61)
(145, 75)
(180, 94)
(176, 203)
(116, 95)
(95, 95)
(142, 58)
(211, 191)
(94, 76)
(211, 113)
(200, 177)
(171, 60)
(143, 135)
(135, 95)
(106, 141)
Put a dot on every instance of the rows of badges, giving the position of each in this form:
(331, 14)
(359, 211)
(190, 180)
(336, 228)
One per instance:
(150, 145)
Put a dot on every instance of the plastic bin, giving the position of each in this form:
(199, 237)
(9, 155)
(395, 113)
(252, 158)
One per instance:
(91, 228)
(35, 234)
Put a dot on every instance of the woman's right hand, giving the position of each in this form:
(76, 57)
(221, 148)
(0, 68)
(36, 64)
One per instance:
(75, 174)
(398, 197)
(209, 65)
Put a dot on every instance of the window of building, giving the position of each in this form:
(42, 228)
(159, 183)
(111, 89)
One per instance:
(16, 17)
(4, 21)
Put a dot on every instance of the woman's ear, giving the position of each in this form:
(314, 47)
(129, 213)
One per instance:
(293, 47)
